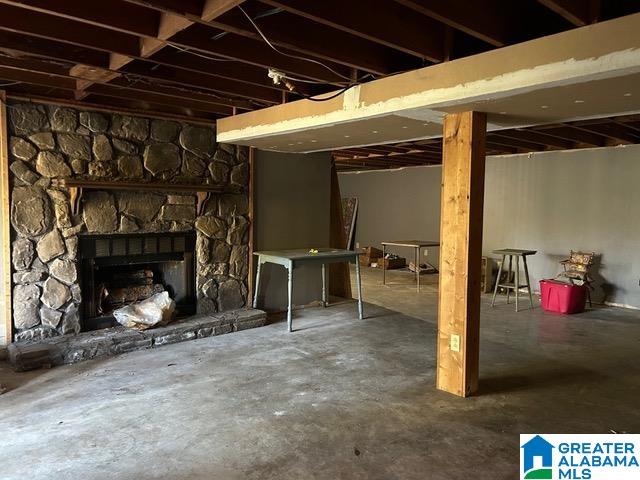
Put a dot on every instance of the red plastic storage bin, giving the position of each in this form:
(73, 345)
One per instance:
(562, 297)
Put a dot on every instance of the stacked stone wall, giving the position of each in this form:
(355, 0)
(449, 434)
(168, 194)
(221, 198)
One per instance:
(51, 142)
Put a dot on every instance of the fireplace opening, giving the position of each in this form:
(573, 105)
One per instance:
(117, 270)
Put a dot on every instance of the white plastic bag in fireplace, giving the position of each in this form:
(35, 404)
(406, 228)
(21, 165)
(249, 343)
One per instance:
(156, 310)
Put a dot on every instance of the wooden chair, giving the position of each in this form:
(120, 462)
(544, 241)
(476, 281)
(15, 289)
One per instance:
(576, 268)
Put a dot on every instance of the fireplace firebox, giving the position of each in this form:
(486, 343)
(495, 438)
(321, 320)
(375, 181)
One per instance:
(120, 269)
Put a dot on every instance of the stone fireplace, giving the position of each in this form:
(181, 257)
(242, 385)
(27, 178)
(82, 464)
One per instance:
(152, 238)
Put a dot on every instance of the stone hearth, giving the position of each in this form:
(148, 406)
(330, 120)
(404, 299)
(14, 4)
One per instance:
(67, 349)
(52, 142)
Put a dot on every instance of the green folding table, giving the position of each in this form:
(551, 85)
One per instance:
(292, 259)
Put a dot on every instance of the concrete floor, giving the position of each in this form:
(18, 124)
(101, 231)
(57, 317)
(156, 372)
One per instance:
(337, 399)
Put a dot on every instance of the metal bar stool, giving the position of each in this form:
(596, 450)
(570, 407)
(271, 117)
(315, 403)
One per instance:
(508, 284)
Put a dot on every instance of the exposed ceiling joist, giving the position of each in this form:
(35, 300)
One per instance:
(487, 20)
(125, 47)
(578, 12)
(126, 18)
(155, 97)
(167, 26)
(37, 24)
(509, 141)
(231, 73)
(140, 84)
(610, 130)
(51, 96)
(199, 50)
(162, 77)
(570, 133)
(339, 47)
(397, 28)
(539, 138)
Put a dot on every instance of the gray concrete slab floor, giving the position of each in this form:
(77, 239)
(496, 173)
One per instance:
(337, 399)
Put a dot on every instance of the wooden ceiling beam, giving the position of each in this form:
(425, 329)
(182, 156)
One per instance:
(578, 12)
(634, 117)
(15, 19)
(168, 25)
(379, 21)
(501, 148)
(122, 17)
(199, 80)
(635, 126)
(235, 71)
(539, 138)
(51, 96)
(567, 132)
(162, 76)
(368, 162)
(234, 47)
(146, 94)
(497, 139)
(20, 45)
(393, 158)
(612, 131)
(487, 20)
(423, 155)
(339, 47)
(137, 84)
(387, 164)
(164, 63)
(376, 161)
(124, 48)
(382, 149)
(164, 111)
(353, 152)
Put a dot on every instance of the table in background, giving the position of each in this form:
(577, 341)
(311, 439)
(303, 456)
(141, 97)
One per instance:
(291, 259)
(417, 245)
(515, 286)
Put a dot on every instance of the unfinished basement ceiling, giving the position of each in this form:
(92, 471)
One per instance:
(204, 59)
(603, 132)
(586, 73)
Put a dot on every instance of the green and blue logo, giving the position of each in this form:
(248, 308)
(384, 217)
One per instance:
(537, 459)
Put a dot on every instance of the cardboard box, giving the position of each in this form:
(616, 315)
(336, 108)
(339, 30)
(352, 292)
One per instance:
(372, 252)
(391, 263)
(370, 255)
(366, 260)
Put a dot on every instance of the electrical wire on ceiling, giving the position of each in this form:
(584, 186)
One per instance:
(265, 14)
(298, 57)
(201, 55)
(281, 77)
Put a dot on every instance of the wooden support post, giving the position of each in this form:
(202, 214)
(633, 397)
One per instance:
(339, 277)
(461, 252)
(6, 329)
(251, 192)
